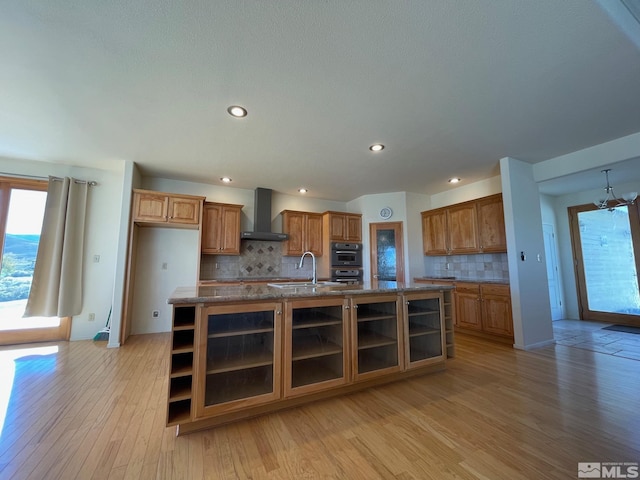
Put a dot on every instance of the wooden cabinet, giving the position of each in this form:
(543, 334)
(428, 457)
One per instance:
(424, 342)
(434, 232)
(468, 311)
(448, 312)
(305, 232)
(376, 332)
(316, 345)
(491, 231)
(166, 208)
(221, 229)
(343, 227)
(484, 308)
(239, 357)
(465, 228)
(181, 364)
(462, 228)
(233, 360)
(496, 310)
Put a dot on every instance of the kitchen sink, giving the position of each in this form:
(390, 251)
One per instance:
(304, 284)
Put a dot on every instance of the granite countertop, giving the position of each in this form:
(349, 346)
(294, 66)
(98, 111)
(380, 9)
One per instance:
(461, 279)
(215, 294)
(254, 280)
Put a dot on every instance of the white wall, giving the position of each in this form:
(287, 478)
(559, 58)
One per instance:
(166, 258)
(600, 155)
(369, 206)
(416, 203)
(528, 278)
(465, 193)
(102, 230)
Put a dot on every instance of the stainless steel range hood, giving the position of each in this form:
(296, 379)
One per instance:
(262, 219)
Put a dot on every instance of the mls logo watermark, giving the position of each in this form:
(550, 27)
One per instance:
(608, 470)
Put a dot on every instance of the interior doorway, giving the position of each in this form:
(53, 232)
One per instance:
(551, 256)
(606, 247)
(387, 254)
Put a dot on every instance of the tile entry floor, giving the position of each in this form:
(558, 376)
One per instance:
(591, 336)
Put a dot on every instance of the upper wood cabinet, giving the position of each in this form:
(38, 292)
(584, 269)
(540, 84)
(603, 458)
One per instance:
(491, 230)
(462, 225)
(434, 232)
(343, 227)
(221, 229)
(305, 232)
(465, 228)
(166, 208)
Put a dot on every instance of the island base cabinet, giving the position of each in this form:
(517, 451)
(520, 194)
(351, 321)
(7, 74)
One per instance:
(232, 360)
(181, 367)
(377, 336)
(239, 358)
(423, 329)
(315, 350)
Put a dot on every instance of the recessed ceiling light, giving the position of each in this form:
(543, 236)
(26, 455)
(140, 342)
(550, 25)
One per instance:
(376, 147)
(454, 180)
(302, 190)
(237, 111)
(225, 179)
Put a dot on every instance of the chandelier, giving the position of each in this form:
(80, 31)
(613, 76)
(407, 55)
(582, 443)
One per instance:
(610, 201)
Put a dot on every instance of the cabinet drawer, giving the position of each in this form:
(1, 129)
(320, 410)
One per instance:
(468, 287)
(495, 290)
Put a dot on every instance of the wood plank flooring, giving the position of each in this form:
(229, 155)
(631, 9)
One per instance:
(496, 413)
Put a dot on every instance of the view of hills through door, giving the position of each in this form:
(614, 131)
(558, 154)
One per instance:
(606, 248)
(387, 256)
(22, 206)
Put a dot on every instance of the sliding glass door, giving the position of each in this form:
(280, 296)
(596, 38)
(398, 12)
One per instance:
(22, 204)
(606, 247)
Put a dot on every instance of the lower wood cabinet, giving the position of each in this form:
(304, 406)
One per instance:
(484, 308)
(315, 346)
(234, 360)
(239, 357)
(423, 336)
(377, 336)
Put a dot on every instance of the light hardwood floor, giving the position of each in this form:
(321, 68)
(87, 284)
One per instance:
(495, 413)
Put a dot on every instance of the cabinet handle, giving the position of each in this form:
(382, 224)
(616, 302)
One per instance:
(346, 307)
(407, 303)
(355, 306)
(278, 312)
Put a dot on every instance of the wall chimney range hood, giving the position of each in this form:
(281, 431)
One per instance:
(262, 219)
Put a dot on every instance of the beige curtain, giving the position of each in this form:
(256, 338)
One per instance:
(56, 289)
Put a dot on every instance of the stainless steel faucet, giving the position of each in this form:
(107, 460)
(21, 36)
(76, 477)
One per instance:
(313, 258)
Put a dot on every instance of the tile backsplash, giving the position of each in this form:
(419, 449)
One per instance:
(257, 259)
(483, 266)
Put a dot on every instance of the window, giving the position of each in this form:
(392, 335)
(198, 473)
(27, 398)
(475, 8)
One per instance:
(606, 247)
(22, 205)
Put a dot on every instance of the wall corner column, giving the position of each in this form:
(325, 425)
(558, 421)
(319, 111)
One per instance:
(531, 308)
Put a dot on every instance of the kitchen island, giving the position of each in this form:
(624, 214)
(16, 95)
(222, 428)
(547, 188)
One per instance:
(241, 351)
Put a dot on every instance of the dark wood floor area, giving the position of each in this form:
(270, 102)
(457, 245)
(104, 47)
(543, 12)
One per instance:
(495, 413)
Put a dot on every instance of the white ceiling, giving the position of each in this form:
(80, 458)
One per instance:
(450, 87)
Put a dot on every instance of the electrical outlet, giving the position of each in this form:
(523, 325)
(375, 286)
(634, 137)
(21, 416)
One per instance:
(92, 317)
(155, 314)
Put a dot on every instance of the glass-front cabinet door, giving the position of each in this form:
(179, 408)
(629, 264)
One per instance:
(377, 336)
(315, 345)
(239, 358)
(424, 339)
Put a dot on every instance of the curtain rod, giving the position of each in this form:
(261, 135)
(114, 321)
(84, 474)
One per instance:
(91, 183)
